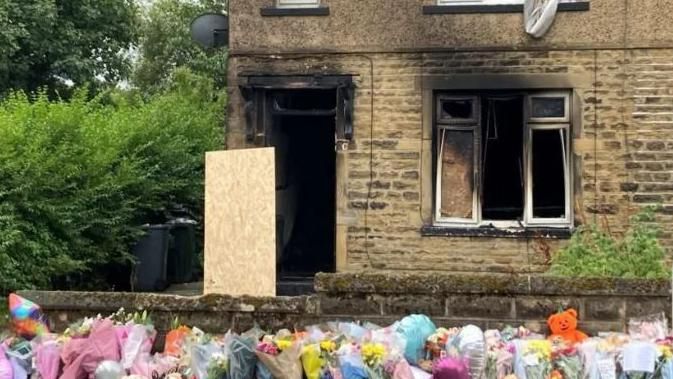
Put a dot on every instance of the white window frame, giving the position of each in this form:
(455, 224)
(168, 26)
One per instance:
(491, 2)
(293, 4)
(531, 124)
(528, 212)
(472, 125)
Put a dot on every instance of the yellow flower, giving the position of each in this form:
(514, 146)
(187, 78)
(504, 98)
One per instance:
(328, 346)
(373, 353)
(665, 351)
(541, 348)
(283, 344)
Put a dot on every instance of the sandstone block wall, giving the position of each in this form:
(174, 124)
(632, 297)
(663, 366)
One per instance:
(490, 301)
(621, 149)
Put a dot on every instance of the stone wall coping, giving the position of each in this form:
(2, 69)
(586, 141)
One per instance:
(497, 284)
(112, 301)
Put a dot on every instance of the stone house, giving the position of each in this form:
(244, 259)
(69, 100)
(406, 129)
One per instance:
(437, 135)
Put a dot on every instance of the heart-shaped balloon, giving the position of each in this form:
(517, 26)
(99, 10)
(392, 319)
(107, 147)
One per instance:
(470, 343)
(109, 370)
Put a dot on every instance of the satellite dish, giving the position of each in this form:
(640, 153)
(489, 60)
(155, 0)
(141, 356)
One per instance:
(211, 30)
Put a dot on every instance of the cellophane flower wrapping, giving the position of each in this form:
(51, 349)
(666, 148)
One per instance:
(351, 362)
(6, 371)
(82, 355)
(286, 364)
(201, 354)
(394, 364)
(312, 361)
(139, 341)
(648, 328)
(499, 356)
(373, 356)
(175, 341)
(566, 360)
(664, 364)
(242, 356)
(48, 358)
(148, 365)
(537, 359)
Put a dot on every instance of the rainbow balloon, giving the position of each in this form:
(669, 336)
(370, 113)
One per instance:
(26, 317)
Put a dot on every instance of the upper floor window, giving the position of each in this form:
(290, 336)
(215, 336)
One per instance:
(503, 159)
(478, 2)
(297, 3)
(497, 2)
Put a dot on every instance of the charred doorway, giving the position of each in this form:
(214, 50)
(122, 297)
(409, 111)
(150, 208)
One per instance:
(303, 127)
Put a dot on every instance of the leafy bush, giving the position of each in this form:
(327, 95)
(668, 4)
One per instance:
(593, 252)
(79, 178)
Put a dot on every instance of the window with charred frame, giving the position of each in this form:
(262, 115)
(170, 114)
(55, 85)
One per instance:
(503, 159)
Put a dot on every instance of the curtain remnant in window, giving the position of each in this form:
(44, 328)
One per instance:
(457, 173)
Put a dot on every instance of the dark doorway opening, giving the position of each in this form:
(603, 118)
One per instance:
(303, 134)
(502, 167)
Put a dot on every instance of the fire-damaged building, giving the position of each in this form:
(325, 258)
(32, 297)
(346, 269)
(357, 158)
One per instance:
(441, 135)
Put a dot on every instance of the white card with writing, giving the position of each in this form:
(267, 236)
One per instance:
(639, 357)
(607, 368)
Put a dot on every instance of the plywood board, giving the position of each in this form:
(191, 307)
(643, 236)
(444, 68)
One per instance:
(240, 218)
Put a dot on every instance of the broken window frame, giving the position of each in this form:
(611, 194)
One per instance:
(549, 95)
(530, 124)
(463, 125)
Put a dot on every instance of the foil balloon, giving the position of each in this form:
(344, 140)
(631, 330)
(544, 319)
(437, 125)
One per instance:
(470, 343)
(109, 370)
(451, 368)
(26, 316)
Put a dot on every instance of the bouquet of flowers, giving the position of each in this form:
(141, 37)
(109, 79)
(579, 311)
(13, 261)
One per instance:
(664, 366)
(175, 339)
(537, 359)
(279, 357)
(499, 356)
(373, 355)
(241, 353)
(218, 366)
(437, 342)
(566, 362)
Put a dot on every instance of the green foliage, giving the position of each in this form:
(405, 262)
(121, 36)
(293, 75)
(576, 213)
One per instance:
(593, 252)
(46, 42)
(166, 44)
(79, 178)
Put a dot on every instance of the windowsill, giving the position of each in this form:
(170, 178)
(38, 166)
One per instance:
(491, 232)
(281, 12)
(505, 8)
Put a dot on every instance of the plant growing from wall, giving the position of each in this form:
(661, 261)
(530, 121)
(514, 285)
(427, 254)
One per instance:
(594, 252)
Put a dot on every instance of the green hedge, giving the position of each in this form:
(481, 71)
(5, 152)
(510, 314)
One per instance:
(79, 178)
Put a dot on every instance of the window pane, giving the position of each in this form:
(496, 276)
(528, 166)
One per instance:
(457, 173)
(457, 109)
(502, 171)
(549, 169)
(546, 107)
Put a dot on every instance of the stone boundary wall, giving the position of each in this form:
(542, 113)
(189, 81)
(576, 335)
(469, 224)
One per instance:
(489, 301)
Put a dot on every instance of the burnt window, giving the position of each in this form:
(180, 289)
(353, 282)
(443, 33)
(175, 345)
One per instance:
(502, 159)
